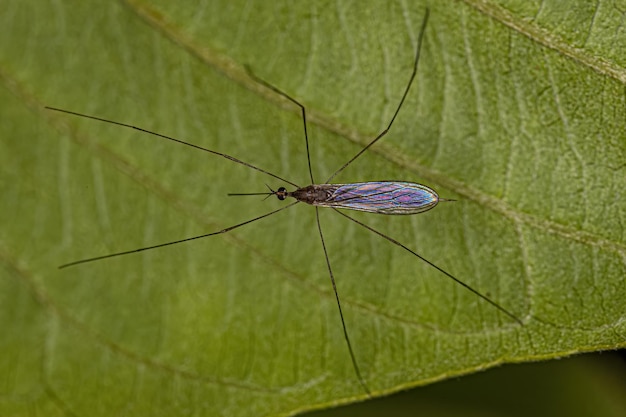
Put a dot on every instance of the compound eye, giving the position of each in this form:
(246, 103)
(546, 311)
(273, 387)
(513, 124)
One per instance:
(281, 193)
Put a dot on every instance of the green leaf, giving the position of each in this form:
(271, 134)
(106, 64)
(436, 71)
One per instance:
(517, 113)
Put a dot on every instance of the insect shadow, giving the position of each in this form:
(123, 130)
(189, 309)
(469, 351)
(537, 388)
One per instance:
(380, 197)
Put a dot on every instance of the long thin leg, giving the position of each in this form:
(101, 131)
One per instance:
(406, 92)
(228, 229)
(223, 155)
(297, 103)
(458, 281)
(343, 323)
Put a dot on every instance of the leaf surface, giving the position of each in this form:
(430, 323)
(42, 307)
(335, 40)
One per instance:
(514, 114)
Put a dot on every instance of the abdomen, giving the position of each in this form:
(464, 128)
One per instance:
(383, 197)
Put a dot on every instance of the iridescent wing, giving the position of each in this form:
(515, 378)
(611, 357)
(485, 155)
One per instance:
(383, 197)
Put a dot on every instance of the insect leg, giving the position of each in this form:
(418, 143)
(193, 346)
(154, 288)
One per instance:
(297, 103)
(170, 138)
(228, 229)
(406, 92)
(449, 275)
(343, 323)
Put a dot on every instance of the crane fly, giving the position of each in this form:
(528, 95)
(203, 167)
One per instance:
(380, 197)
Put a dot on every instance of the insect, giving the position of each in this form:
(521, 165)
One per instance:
(380, 197)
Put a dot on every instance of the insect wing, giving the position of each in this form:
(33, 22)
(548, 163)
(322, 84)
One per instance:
(384, 197)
